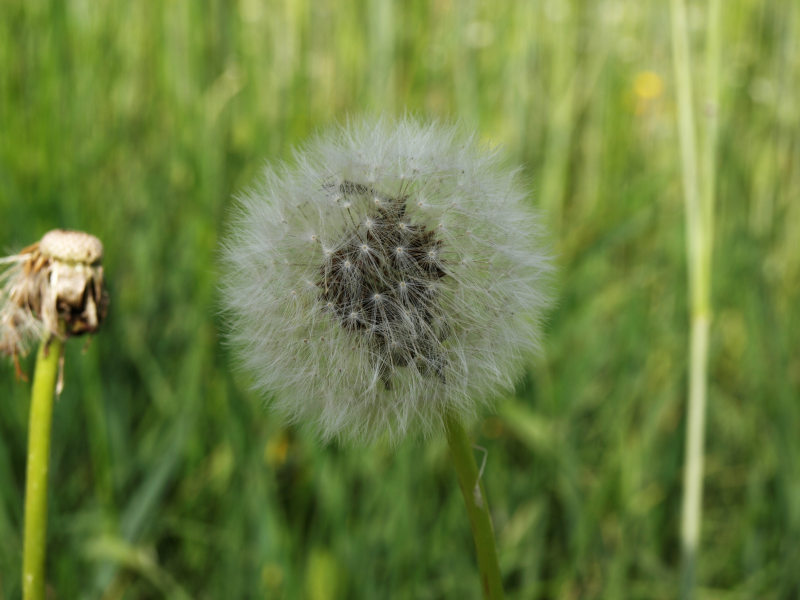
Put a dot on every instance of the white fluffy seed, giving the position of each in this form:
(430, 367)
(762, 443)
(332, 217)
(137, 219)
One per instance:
(398, 306)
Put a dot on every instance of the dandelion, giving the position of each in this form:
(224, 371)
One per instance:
(51, 290)
(390, 283)
(410, 250)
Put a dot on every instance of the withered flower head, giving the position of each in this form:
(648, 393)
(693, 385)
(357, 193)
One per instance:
(51, 288)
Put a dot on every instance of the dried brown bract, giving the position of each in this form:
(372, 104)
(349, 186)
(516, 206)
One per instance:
(51, 288)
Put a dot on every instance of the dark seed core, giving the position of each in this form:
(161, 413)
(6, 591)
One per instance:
(387, 293)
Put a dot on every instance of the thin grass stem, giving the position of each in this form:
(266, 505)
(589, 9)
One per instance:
(699, 186)
(40, 421)
(477, 509)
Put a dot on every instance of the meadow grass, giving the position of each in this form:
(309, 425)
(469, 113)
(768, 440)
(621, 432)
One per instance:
(138, 122)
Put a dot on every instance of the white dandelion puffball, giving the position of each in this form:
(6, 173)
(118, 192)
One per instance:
(390, 279)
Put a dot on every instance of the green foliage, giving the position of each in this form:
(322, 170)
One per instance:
(139, 121)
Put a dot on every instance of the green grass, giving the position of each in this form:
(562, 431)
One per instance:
(138, 122)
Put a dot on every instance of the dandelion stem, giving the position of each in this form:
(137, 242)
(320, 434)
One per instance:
(477, 509)
(41, 417)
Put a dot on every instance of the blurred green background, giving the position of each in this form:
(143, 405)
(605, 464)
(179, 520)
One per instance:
(138, 122)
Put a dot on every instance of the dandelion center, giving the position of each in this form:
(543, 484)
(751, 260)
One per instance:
(392, 289)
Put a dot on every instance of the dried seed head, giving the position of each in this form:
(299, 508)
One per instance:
(71, 246)
(426, 288)
(53, 287)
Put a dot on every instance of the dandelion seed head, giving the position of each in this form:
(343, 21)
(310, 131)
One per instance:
(428, 294)
(71, 246)
(53, 287)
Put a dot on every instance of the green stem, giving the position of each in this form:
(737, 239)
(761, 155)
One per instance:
(41, 418)
(692, 509)
(477, 509)
(699, 187)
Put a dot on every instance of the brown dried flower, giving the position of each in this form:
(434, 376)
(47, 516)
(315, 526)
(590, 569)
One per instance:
(51, 288)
